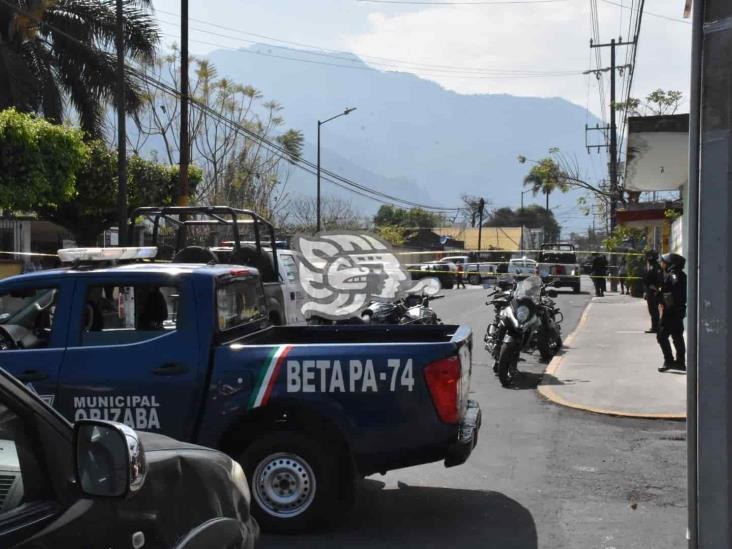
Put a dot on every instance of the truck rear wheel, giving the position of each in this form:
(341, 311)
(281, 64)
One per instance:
(474, 279)
(293, 482)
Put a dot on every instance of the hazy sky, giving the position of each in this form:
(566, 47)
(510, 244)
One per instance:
(466, 48)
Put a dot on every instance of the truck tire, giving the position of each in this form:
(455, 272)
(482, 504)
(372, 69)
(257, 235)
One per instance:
(507, 365)
(576, 288)
(293, 481)
(474, 279)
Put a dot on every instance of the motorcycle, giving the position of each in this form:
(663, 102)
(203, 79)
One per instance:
(530, 321)
(500, 298)
(412, 309)
(549, 338)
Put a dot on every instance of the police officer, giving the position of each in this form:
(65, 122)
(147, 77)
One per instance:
(599, 272)
(673, 306)
(652, 281)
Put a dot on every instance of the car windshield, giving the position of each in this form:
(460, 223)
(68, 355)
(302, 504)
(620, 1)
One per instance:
(529, 288)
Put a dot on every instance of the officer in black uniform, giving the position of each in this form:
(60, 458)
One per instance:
(673, 305)
(599, 272)
(652, 281)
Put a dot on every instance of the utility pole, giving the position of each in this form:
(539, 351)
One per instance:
(481, 205)
(121, 128)
(709, 404)
(185, 148)
(613, 146)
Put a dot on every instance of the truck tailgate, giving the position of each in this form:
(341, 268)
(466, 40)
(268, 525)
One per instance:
(374, 391)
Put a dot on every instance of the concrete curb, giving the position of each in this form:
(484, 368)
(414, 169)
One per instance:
(548, 393)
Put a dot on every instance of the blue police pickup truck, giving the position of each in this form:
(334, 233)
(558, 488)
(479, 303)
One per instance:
(187, 350)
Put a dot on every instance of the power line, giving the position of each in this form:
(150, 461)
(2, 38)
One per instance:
(639, 20)
(476, 3)
(301, 163)
(661, 16)
(345, 56)
(270, 145)
(428, 72)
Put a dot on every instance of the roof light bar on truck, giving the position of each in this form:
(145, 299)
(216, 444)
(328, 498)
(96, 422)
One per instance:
(70, 255)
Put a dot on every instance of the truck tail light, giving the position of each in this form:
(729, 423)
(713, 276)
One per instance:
(560, 269)
(443, 382)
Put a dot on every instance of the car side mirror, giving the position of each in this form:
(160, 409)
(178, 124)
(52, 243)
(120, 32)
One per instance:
(110, 459)
(551, 292)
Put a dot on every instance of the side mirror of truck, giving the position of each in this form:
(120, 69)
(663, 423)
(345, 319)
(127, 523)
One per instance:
(110, 460)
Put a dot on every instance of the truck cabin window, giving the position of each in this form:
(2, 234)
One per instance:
(239, 302)
(26, 318)
(115, 314)
(289, 266)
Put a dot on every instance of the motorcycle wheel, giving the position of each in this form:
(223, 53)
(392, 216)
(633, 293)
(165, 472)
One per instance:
(507, 370)
(549, 345)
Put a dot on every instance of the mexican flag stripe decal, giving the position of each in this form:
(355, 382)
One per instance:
(269, 376)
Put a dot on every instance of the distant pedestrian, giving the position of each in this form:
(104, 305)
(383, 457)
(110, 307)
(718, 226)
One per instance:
(652, 280)
(673, 307)
(622, 277)
(599, 273)
(460, 281)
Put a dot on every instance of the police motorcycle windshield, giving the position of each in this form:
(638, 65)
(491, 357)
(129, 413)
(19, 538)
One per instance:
(529, 288)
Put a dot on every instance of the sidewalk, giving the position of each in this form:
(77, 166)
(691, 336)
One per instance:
(609, 365)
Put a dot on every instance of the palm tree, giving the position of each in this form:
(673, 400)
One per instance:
(545, 177)
(58, 55)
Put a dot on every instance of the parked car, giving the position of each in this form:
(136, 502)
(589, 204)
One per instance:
(475, 270)
(100, 483)
(187, 350)
(558, 263)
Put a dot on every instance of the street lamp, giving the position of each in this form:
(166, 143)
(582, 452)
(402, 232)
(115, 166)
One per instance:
(344, 113)
(522, 196)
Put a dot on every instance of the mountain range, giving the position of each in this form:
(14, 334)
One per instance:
(409, 137)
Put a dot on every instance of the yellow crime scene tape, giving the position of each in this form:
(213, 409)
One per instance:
(494, 274)
(465, 274)
(516, 251)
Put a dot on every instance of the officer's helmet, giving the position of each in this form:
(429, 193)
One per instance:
(674, 260)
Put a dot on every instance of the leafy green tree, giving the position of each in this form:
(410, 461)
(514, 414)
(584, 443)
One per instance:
(533, 217)
(657, 103)
(237, 170)
(57, 51)
(93, 208)
(393, 234)
(412, 218)
(39, 161)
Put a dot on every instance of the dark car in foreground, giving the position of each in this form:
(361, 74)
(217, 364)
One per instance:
(102, 484)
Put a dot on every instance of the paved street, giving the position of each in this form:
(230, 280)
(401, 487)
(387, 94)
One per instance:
(542, 475)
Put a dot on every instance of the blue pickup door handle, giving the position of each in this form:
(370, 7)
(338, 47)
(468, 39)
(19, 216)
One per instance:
(32, 375)
(170, 369)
